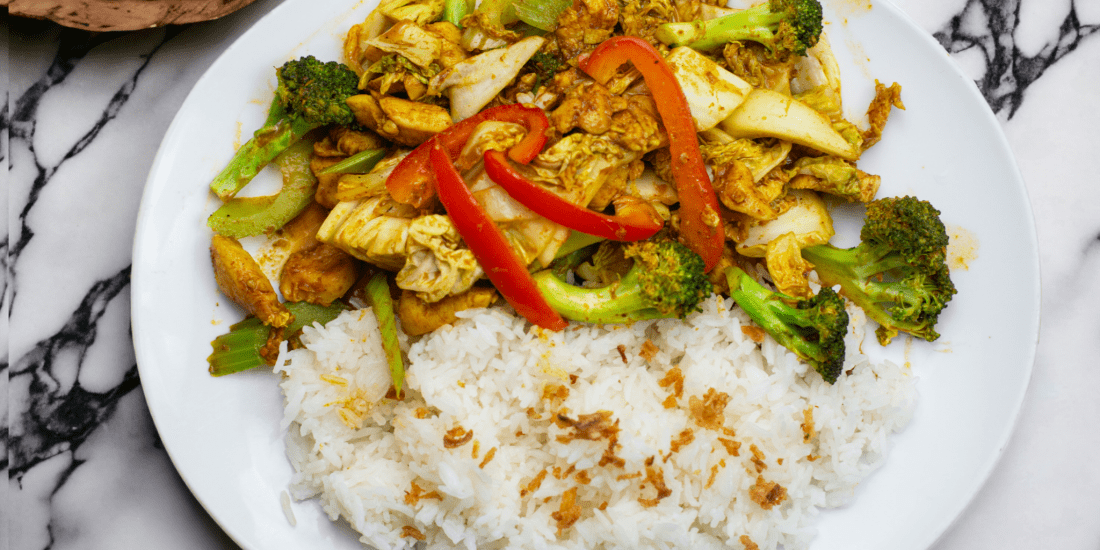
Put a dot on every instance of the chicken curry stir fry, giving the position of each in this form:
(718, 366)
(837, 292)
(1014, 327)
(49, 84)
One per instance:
(600, 161)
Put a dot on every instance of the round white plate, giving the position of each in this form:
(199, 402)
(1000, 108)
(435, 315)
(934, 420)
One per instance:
(224, 434)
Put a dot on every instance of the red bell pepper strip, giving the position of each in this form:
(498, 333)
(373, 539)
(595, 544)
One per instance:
(636, 222)
(489, 245)
(700, 218)
(412, 180)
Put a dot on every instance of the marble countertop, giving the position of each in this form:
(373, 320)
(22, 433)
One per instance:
(86, 112)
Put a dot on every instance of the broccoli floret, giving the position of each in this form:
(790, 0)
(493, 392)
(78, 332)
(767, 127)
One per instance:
(666, 280)
(783, 26)
(310, 94)
(317, 92)
(545, 66)
(898, 273)
(813, 328)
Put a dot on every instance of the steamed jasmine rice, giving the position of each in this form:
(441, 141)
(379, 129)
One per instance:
(663, 434)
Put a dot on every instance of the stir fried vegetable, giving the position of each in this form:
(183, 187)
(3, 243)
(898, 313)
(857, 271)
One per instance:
(359, 163)
(812, 328)
(455, 10)
(666, 280)
(251, 343)
(541, 14)
(310, 95)
(783, 26)
(501, 142)
(635, 222)
(378, 295)
(411, 182)
(898, 274)
(489, 245)
(701, 220)
(248, 216)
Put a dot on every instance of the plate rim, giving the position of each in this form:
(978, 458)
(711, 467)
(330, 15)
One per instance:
(1005, 438)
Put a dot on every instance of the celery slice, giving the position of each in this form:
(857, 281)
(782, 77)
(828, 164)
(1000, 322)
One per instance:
(239, 349)
(359, 163)
(541, 14)
(455, 10)
(378, 294)
(278, 132)
(244, 217)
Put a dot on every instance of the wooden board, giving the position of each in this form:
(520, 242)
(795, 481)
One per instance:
(123, 15)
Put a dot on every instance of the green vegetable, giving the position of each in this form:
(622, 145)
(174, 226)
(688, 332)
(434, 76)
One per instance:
(310, 94)
(575, 242)
(571, 253)
(248, 216)
(239, 349)
(541, 14)
(608, 264)
(396, 66)
(455, 10)
(813, 329)
(563, 264)
(898, 274)
(783, 26)
(836, 177)
(545, 66)
(378, 294)
(666, 280)
(500, 12)
(359, 163)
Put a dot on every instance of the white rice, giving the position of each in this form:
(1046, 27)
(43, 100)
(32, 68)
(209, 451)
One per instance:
(361, 454)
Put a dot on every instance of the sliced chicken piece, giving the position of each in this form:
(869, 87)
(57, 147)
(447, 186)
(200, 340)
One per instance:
(420, 317)
(240, 278)
(406, 122)
(318, 275)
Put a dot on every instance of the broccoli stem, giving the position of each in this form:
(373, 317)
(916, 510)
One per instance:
(623, 302)
(754, 24)
(812, 329)
(767, 309)
(857, 271)
(859, 263)
(278, 132)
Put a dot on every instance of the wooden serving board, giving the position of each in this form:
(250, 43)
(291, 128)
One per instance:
(123, 15)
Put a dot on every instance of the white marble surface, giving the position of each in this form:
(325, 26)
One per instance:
(85, 114)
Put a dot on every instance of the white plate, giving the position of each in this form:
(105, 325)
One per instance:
(223, 434)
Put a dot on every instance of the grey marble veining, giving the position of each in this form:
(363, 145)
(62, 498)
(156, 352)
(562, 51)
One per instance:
(990, 29)
(83, 118)
(85, 115)
(59, 411)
